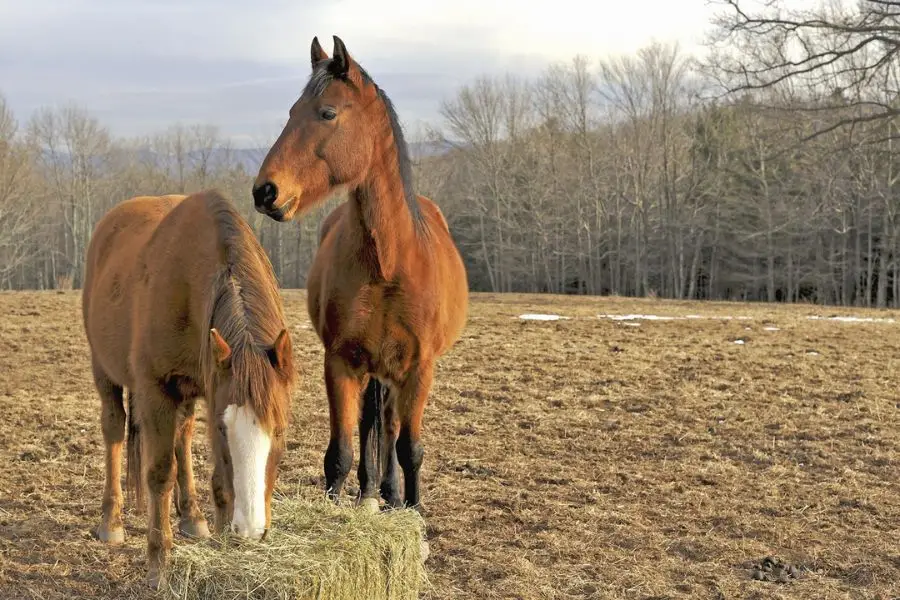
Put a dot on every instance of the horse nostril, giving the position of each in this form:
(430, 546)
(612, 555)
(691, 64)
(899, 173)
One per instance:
(265, 195)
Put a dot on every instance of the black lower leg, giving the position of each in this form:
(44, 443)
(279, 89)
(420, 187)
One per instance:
(390, 478)
(410, 454)
(338, 458)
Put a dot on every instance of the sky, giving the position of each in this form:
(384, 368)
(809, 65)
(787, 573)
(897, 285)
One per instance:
(142, 65)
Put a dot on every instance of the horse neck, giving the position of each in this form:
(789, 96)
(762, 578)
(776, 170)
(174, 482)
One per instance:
(386, 220)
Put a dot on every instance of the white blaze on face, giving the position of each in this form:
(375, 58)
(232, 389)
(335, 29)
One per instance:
(249, 446)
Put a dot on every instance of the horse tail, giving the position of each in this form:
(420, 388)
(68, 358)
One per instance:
(372, 424)
(134, 481)
(379, 391)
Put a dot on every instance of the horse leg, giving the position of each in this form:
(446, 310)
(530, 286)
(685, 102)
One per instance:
(158, 422)
(344, 388)
(390, 468)
(192, 523)
(112, 420)
(369, 445)
(412, 400)
(222, 495)
(222, 499)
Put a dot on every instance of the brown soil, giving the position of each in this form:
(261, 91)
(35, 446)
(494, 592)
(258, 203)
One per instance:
(582, 458)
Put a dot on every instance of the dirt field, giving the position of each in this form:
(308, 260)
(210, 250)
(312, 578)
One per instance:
(580, 458)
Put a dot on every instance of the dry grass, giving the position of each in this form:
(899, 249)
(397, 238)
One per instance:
(316, 550)
(583, 458)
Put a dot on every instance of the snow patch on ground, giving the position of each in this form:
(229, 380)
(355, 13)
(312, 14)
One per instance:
(631, 319)
(639, 317)
(540, 317)
(846, 319)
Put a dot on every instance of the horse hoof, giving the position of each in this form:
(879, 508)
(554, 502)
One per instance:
(392, 503)
(113, 537)
(153, 580)
(425, 550)
(194, 529)
(369, 505)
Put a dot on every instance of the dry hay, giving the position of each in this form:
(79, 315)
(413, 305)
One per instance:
(314, 550)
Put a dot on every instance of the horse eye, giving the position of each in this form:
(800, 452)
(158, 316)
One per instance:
(327, 113)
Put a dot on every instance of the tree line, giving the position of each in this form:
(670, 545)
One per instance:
(766, 171)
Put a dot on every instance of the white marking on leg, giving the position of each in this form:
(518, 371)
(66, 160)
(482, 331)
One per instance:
(249, 445)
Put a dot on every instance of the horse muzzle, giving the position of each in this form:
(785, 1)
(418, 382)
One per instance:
(266, 199)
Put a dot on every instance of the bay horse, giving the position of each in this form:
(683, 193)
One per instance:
(387, 289)
(180, 301)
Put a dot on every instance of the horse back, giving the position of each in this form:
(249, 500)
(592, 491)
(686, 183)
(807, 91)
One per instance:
(449, 276)
(433, 213)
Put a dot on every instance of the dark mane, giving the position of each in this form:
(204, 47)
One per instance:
(244, 308)
(320, 79)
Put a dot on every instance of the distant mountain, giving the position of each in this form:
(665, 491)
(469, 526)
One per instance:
(428, 149)
(249, 158)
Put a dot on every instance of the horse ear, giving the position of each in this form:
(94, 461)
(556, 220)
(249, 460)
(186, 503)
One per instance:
(220, 348)
(341, 63)
(280, 351)
(316, 52)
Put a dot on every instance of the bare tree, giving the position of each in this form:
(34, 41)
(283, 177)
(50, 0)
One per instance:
(821, 52)
(19, 209)
(480, 117)
(645, 95)
(72, 150)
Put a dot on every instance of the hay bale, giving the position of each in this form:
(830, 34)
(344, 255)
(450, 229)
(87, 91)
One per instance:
(314, 550)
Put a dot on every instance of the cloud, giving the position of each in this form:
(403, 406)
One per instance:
(144, 64)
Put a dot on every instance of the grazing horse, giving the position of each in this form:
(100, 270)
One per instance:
(180, 301)
(387, 290)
